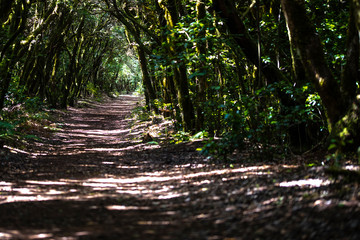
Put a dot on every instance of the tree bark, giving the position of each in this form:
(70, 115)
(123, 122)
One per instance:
(201, 79)
(227, 11)
(356, 6)
(5, 76)
(149, 90)
(308, 45)
(343, 107)
(9, 56)
(180, 70)
(350, 73)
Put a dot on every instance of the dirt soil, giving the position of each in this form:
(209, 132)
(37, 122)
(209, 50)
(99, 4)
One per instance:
(96, 179)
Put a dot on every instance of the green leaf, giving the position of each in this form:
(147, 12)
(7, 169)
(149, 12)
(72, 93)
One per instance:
(332, 146)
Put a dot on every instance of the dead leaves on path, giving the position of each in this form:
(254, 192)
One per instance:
(96, 179)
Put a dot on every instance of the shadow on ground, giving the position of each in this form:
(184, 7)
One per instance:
(96, 180)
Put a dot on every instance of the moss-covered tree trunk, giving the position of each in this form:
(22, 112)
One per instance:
(16, 14)
(350, 73)
(227, 11)
(346, 132)
(172, 13)
(201, 78)
(312, 55)
(149, 89)
(339, 100)
(73, 65)
(168, 86)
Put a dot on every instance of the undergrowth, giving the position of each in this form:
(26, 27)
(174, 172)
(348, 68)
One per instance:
(20, 123)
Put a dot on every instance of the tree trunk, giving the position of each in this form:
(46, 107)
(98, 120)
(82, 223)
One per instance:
(356, 6)
(180, 70)
(5, 76)
(346, 132)
(186, 105)
(8, 55)
(343, 107)
(307, 43)
(227, 11)
(350, 73)
(149, 89)
(201, 79)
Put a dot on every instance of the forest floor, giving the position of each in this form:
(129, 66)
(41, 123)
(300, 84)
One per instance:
(95, 178)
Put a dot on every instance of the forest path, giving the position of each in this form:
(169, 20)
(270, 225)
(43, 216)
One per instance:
(95, 179)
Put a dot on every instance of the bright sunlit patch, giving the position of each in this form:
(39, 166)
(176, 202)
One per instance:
(47, 182)
(289, 166)
(352, 168)
(322, 203)
(25, 199)
(5, 183)
(5, 186)
(105, 132)
(247, 170)
(202, 183)
(133, 191)
(100, 185)
(5, 189)
(126, 208)
(24, 191)
(320, 79)
(202, 216)
(40, 236)
(5, 235)
(103, 149)
(108, 163)
(305, 182)
(15, 150)
(78, 125)
(161, 176)
(120, 149)
(55, 192)
(173, 195)
(144, 184)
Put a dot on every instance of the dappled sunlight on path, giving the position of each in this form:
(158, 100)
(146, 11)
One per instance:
(96, 179)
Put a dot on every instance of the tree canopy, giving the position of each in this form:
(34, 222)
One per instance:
(281, 75)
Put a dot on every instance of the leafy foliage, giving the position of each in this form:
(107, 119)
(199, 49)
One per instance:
(187, 61)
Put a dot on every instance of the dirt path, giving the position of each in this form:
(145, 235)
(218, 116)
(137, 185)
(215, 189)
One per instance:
(94, 180)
